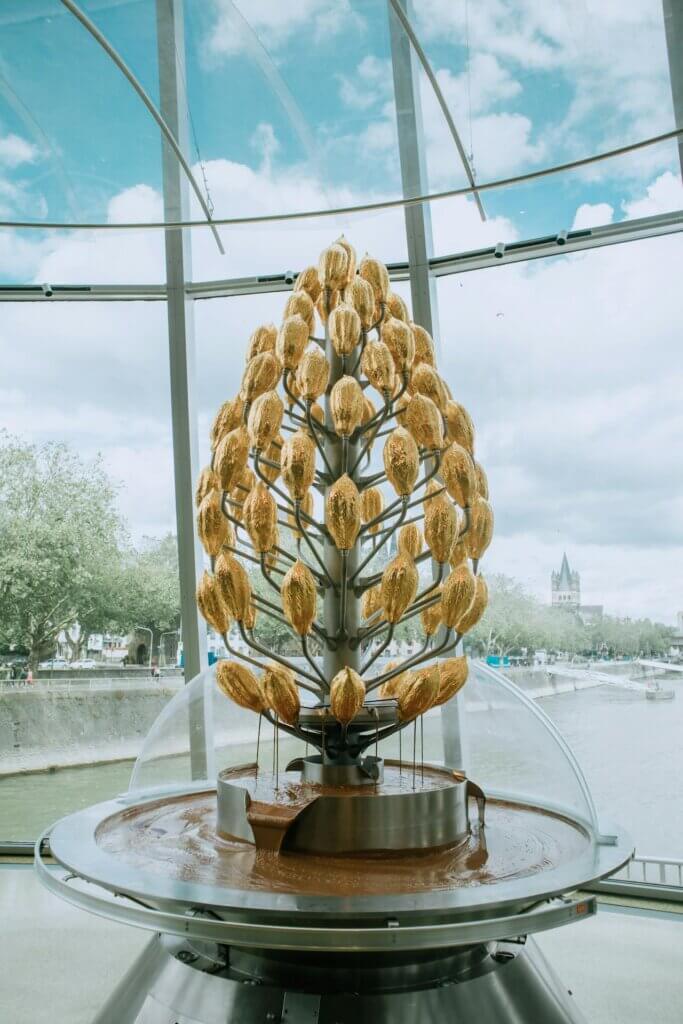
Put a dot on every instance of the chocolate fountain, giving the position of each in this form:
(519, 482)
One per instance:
(394, 832)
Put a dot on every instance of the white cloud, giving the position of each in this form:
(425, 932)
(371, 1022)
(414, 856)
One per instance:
(275, 23)
(15, 151)
(662, 196)
(592, 215)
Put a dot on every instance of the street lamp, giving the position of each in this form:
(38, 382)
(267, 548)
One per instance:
(146, 629)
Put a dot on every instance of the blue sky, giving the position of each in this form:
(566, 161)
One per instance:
(570, 366)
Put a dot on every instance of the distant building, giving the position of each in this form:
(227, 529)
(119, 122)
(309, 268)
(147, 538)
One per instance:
(676, 649)
(565, 588)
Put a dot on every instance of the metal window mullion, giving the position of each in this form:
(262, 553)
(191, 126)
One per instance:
(171, 50)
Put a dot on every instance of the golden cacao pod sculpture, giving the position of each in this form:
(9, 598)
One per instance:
(371, 602)
(418, 694)
(452, 677)
(280, 692)
(262, 340)
(261, 374)
(482, 480)
(360, 295)
(397, 308)
(212, 526)
(459, 425)
(457, 595)
(346, 405)
(227, 418)
(309, 282)
(233, 585)
(399, 339)
(401, 461)
(351, 254)
(426, 381)
(297, 464)
(476, 609)
(378, 366)
(342, 512)
(371, 505)
(208, 481)
(480, 533)
(299, 598)
(441, 528)
(313, 374)
(398, 587)
(345, 328)
(410, 540)
(333, 267)
(422, 418)
(424, 346)
(259, 514)
(377, 276)
(211, 604)
(265, 419)
(292, 340)
(230, 457)
(240, 684)
(458, 474)
(347, 693)
(300, 304)
(431, 616)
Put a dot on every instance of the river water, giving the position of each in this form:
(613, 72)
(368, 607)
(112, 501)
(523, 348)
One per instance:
(629, 748)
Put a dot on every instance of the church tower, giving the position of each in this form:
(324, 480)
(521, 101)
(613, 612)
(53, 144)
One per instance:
(566, 587)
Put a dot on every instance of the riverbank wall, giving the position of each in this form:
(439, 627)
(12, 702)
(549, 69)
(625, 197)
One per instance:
(48, 728)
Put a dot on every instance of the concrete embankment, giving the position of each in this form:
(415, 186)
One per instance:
(538, 682)
(43, 728)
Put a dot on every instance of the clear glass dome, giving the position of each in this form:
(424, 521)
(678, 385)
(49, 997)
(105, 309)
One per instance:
(503, 741)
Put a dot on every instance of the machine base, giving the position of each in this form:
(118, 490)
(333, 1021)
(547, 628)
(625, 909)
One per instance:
(174, 982)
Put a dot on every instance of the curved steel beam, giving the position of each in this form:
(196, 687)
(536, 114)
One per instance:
(427, 68)
(383, 204)
(151, 107)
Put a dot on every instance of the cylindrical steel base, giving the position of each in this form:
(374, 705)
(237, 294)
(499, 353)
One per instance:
(176, 983)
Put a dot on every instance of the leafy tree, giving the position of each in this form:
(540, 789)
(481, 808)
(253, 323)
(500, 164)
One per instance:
(60, 537)
(149, 586)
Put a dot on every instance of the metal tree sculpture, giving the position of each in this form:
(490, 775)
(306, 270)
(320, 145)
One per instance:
(273, 453)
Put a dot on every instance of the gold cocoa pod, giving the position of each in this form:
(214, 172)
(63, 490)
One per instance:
(441, 528)
(207, 481)
(351, 253)
(392, 686)
(401, 461)
(345, 329)
(458, 555)
(433, 490)
(371, 602)
(326, 303)
(299, 598)
(233, 585)
(227, 418)
(453, 674)
(377, 276)
(240, 684)
(249, 620)
(261, 374)
(342, 512)
(480, 533)
(230, 456)
(265, 419)
(301, 304)
(457, 595)
(360, 295)
(378, 366)
(476, 609)
(459, 425)
(297, 464)
(397, 308)
(212, 526)
(424, 346)
(262, 340)
(309, 282)
(313, 374)
(398, 337)
(426, 381)
(398, 587)
(410, 540)
(243, 483)
(333, 267)
(346, 405)
(259, 514)
(458, 474)
(431, 616)
(292, 391)
(422, 418)
(211, 605)
(292, 340)
(347, 693)
(281, 693)
(371, 505)
(418, 694)
(482, 480)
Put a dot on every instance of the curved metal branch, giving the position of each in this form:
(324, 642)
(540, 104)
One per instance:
(311, 545)
(417, 659)
(380, 650)
(311, 661)
(256, 646)
(378, 547)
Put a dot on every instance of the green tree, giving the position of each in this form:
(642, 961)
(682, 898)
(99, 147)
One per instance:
(149, 590)
(60, 539)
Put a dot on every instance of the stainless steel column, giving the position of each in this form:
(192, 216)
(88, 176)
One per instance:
(413, 171)
(171, 53)
(673, 24)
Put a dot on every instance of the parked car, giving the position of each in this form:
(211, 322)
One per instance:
(84, 663)
(54, 663)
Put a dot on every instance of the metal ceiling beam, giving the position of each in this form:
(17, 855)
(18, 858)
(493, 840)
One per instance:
(118, 60)
(406, 23)
(440, 266)
(673, 25)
